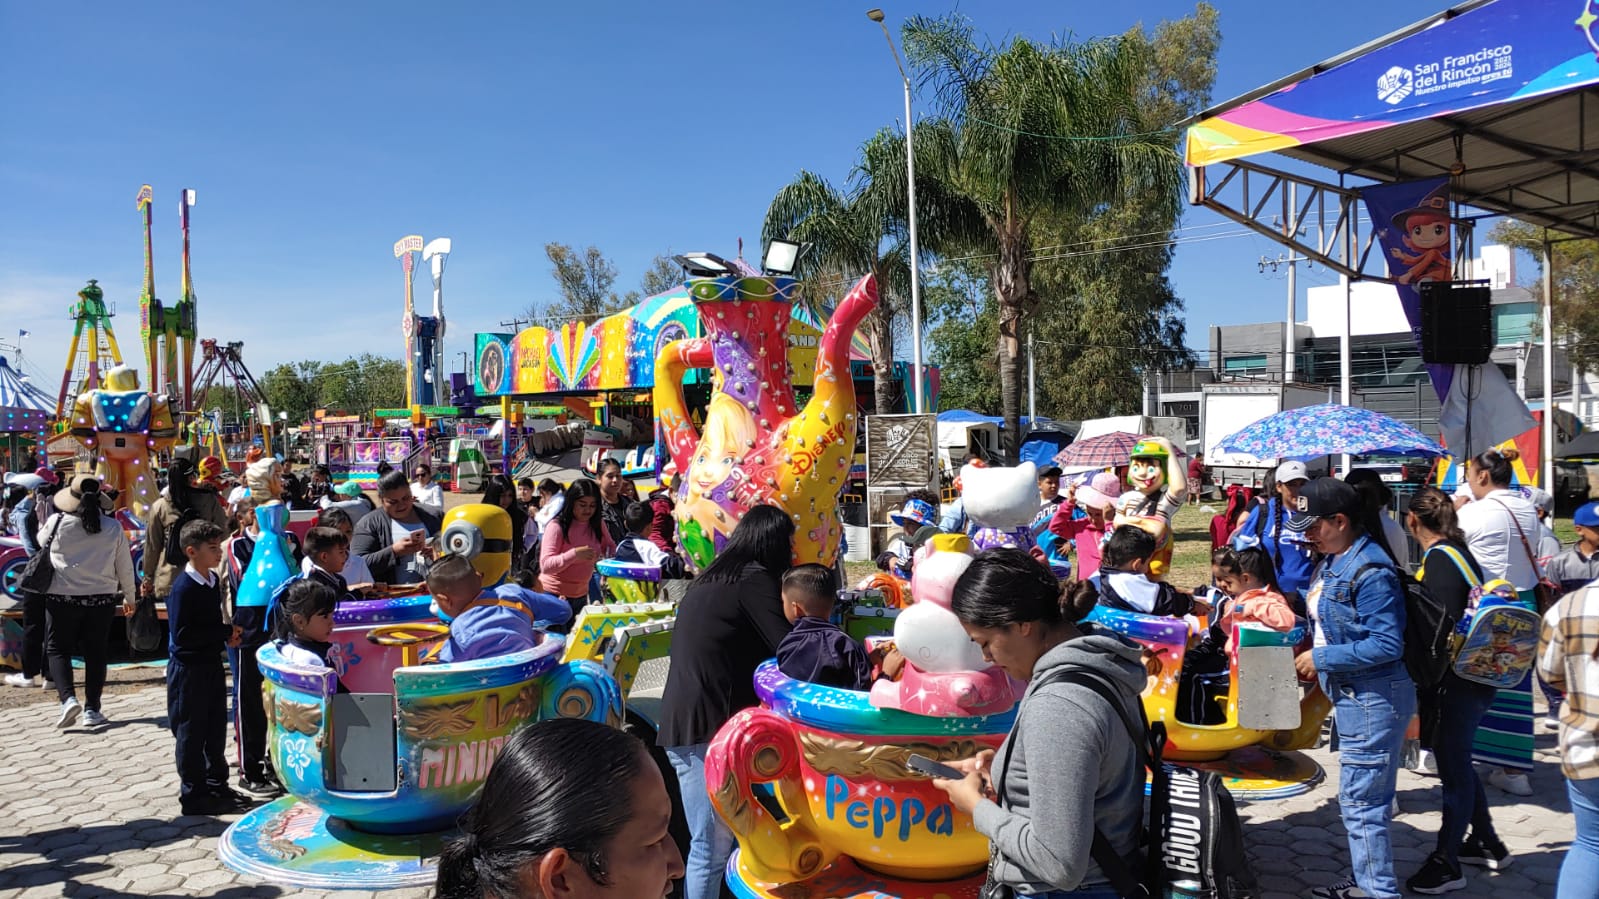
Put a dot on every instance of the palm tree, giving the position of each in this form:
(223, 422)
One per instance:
(851, 233)
(1029, 131)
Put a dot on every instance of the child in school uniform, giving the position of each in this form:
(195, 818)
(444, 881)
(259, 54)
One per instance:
(639, 546)
(197, 703)
(481, 625)
(357, 576)
(302, 628)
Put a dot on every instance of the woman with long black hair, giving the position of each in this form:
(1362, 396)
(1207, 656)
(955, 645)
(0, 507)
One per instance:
(730, 620)
(182, 502)
(499, 491)
(1070, 766)
(570, 808)
(573, 542)
(92, 570)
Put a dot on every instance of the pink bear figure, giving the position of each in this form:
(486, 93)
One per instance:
(945, 674)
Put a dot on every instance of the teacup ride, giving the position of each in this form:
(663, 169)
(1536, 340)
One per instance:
(629, 582)
(815, 787)
(1269, 717)
(377, 777)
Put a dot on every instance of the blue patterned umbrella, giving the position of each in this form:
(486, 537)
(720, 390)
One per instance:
(1327, 430)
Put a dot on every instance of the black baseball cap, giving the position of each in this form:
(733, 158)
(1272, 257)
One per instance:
(1322, 498)
(1052, 471)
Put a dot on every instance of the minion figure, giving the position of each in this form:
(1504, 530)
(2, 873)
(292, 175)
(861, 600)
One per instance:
(482, 533)
(124, 427)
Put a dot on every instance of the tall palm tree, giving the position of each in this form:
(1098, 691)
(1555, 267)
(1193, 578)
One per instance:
(853, 232)
(1028, 131)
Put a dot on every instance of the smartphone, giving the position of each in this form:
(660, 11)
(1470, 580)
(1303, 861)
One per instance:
(931, 768)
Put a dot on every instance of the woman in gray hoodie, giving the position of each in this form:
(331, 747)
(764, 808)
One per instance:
(1070, 766)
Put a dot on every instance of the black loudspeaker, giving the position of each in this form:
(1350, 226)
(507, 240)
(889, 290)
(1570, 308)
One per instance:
(1456, 323)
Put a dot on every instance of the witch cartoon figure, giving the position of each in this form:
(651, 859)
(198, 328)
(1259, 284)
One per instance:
(1424, 229)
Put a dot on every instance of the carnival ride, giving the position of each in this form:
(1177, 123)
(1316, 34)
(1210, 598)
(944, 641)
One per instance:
(168, 332)
(223, 366)
(424, 334)
(377, 776)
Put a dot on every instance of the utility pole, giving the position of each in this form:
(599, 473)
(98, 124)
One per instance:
(516, 324)
(1290, 331)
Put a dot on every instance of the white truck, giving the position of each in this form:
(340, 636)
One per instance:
(1229, 408)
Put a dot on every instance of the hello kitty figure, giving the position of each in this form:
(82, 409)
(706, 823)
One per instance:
(945, 675)
(1003, 502)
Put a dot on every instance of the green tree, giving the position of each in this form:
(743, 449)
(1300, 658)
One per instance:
(1030, 130)
(964, 337)
(1111, 315)
(1575, 283)
(585, 279)
(362, 383)
(850, 233)
(663, 275)
(293, 388)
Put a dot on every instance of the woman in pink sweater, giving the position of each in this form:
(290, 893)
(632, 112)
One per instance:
(573, 542)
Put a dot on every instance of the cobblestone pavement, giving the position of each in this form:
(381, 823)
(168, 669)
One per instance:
(95, 814)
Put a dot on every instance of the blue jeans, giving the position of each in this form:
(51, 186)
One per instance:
(1461, 705)
(1579, 873)
(712, 844)
(1372, 716)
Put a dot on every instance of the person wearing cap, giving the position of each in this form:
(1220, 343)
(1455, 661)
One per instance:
(918, 512)
(1098, 500)
(1049, 498)
(92, 573)
(1357, 611)
(1579, 565)
(1543, 503)
(1266, 528)
(25, 524)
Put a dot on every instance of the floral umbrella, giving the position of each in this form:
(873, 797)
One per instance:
(1326, 430)
(1104, 451)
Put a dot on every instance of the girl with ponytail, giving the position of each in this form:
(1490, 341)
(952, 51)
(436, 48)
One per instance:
(1267, 528)
(1069, 764)
(570, 808)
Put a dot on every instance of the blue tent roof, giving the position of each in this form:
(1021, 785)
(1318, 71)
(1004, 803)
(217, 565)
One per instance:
(966, 416)
(17, 393)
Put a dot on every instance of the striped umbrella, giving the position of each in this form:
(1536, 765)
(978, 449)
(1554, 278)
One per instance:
(1104, 451)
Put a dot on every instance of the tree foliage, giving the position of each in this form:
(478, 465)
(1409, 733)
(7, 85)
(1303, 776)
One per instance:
(357, 385)
(1104, 311)
(1033, 133)
(964, 336)
(1575, 283)
(851, 232)
(662, 275)
(585, 279)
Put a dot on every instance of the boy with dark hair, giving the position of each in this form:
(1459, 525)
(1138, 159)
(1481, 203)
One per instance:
(197, 705)
(481, 625)
(357, 577)
(818, 651)
(638, 547)
(328, 550)
(1123, 579)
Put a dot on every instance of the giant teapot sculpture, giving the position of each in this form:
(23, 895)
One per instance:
(758, 447)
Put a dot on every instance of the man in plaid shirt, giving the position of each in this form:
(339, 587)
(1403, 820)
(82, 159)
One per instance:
(1568, 658)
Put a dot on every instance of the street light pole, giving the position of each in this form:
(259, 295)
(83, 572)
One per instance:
(876, 15)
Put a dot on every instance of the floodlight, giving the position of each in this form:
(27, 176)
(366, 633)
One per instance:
(704, 265)
(782, 256)
(876, 15)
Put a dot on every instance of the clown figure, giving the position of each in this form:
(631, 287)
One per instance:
(124, 427)
(1159, 486)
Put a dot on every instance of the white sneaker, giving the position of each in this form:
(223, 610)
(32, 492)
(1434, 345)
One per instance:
(1513, 782)
(1426, 762)
(22, 680)
(70, 710)
(93, 718)
(1344, 889)
(1551, 721)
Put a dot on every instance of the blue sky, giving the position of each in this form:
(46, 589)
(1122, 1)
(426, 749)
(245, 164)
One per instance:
(317, 134)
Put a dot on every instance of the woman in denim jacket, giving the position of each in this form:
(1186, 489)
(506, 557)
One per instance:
(1358, 608)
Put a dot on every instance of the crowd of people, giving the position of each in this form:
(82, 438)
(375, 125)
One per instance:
(1335, 552)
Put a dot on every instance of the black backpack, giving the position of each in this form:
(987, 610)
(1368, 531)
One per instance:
(172, 553)
(1428, 628)
(1193, 841)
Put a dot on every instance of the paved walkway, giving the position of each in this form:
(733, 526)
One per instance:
(95, 814)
